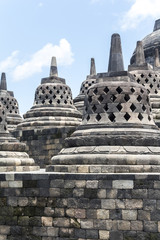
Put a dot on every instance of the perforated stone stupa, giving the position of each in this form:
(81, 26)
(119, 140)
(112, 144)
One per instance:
(150, 43)
(144, 74)
(51, 119)
(90, 80)
(12, 153)
(10, 104)
(117, 133)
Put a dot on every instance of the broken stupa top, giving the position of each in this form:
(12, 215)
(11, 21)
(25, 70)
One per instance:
(12, 153)
(117, 133)
(90, 80)
(53, 104)
(150, 43)
(10, 104)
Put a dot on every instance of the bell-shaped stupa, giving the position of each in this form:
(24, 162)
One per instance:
(90, 80)
(143, 73)
(10, 105)
(12, 153)
(117, 133)
(52, 118)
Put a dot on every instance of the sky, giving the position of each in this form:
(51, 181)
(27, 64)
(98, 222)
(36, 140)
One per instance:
(32, 31)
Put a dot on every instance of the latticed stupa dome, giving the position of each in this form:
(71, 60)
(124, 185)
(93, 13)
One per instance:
(117, 133)
(150, 43)
(12, 153)
(10, 105)
(90, 80)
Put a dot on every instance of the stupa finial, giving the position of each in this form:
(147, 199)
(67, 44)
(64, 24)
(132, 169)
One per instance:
(156, 62)
(53, 68)
(3, 82)
(140, 59)
(116, 57)
(156, 25)
(93, 67)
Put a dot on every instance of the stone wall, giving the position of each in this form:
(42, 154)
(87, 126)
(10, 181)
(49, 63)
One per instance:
(48, 206)
(43, 144)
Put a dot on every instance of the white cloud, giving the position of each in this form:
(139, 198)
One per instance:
(140, 10)
(42, 58)
(9, 63)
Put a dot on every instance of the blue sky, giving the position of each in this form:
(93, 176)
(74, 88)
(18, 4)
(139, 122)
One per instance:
(72, 30)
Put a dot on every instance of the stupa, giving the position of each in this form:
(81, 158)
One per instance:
(12, 153)
(52, 118)
(117, 133)
(150, 43)
(90, 80)
(10, 104)
(144, 74)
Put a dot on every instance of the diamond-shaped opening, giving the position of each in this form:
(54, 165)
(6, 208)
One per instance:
(149, 118)
(98, 117)
(155, 91)
(95, 90)
(141, 91)
(132, 90)
(147, 99)
(134, 75)
(133, 107)
(119, 90)
(119, 107)
(154, 80)
(43, 101)
(150, 75)
(61, 87)
(126, 97)
(67, 97)
(148, 91)
(143, 108)
(65, 101)
(86, 88)
(54, 96)
(0, 119)
(146, 80)
(10, 111)
(7, 107)
(50, 91)
(140, 116)
(113, 98)
(88, 117)
(112, 117)
(139, 98)
(106, 90)
(127, 116)
(54, 87)
(155, 75)
(50, 101)
(94, 108)
(61, 96)
(151, 85)
(142, 75)
(64, 92)
(89, 84)
(90, 99)
(93, 81)
(106, 107)
(100, 99)
(58, 101)
(138, 80)
(46, 96)
(47, 87)
(157, 85)
(58, 91)
(43, 91)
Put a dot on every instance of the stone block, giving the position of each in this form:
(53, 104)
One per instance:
(136, 225)
(92, 184)
(69, 184)
(150, 226)
(115, 214)
(120, 204)
(80, 213)
(78, 192)
(15, 184)
(108, 203)
(101, 193)
(129, 215)
(116, 235)
(133, 204)
(122, 184)
(12, 201)
(102, 214)
(86, 224)
(57, 183)
(54, 192)
(23, 201)
(91, 234)
(103, 234)
(4, 230)
(144, 215)
(80, 183)
(47, 221)
(91, 213)
(124, 225)
(61, 222)
(150, 204)
(101, 224)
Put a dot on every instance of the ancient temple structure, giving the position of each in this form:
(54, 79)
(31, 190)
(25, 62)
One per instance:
(52, 118)
(13, 156)
(90, 80)
(10, 104)
(117, 133)
(150, 43)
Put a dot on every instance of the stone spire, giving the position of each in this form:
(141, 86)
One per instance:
(53, 68)
(156, 62)
(116, 57)
(93, 67)
(3, 82)
(140, 60)
(156, 25)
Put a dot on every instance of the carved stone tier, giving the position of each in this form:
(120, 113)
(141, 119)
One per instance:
(10, 104)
